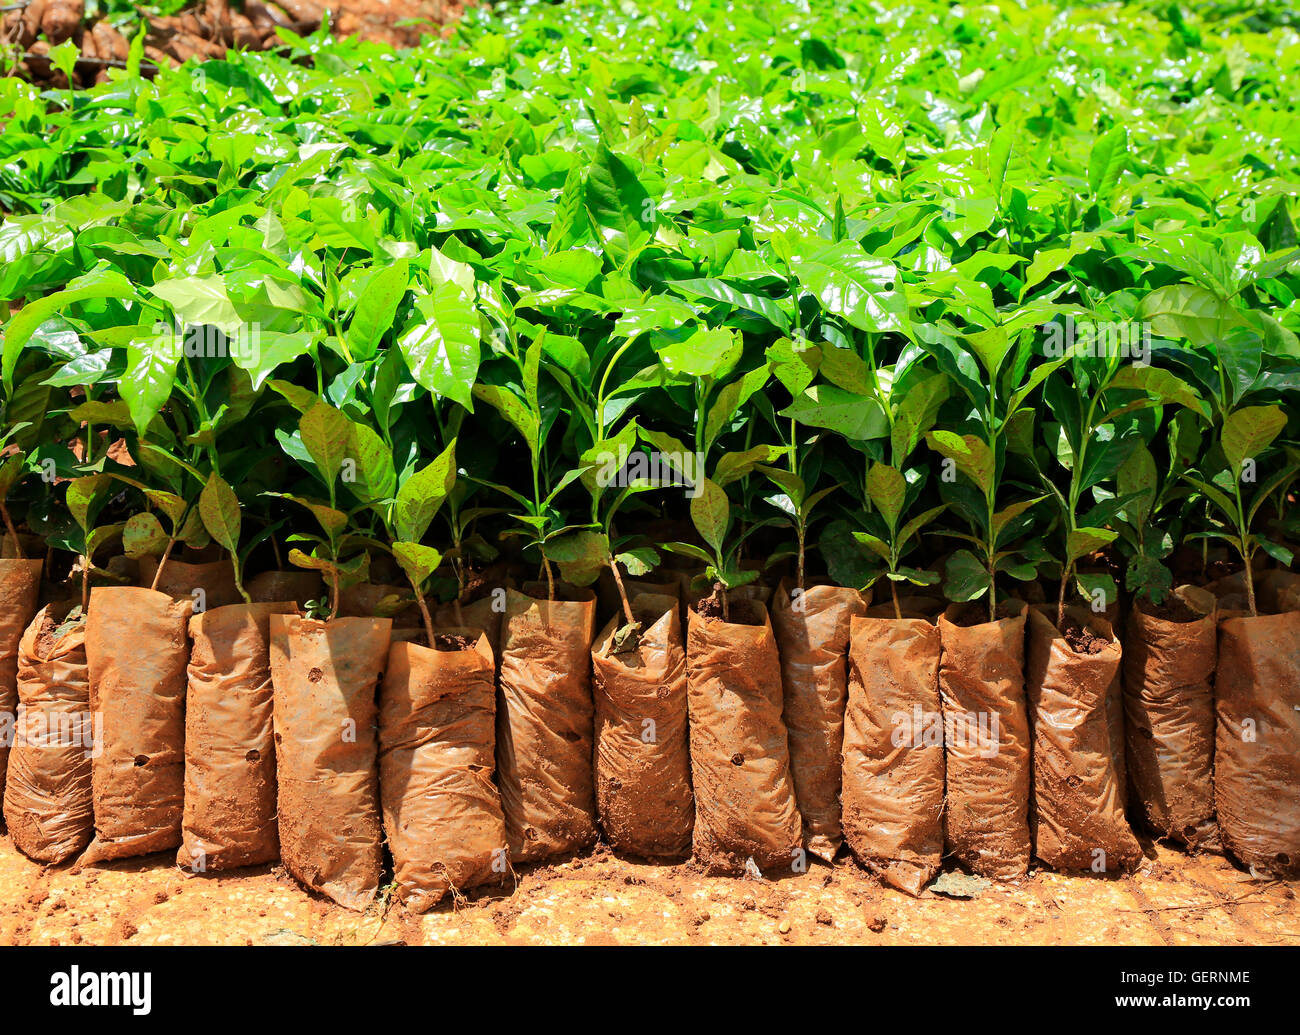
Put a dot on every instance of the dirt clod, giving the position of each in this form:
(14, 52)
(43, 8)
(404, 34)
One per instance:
(1081, 640)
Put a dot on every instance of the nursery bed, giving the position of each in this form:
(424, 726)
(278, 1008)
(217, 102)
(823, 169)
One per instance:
(600, 899)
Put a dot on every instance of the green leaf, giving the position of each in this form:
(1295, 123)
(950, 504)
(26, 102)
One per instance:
(100, 282)
(965, 578)
(83, 497)
(876, 545)
(219, 511)
(370, 474)
(970, 454)
(514, 410)
(1107, 161)
(1249, 431)
(327, 436)
(581, 555)
(376, 309)
(1188, 311)
(887, 489)
(711, 514)
(1008, 514)
(847, 560)
(639, 561)
(916, 414)
(731, 467)
(441, 346)
(709, 352)
(618, 204)
(917, 523)
(1098, 587)
(422, 494)
(150, 375)
(11, 469)
(990, 347)
(1137, 477)
(729, 402)
(853, 416)
(862, 289)
(1161, 385)
(417, 560)
(143, 536)
(1083, 541)
(333, 522)
(200, 300)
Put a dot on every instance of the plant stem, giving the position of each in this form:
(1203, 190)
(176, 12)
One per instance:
(458, 566)
(893, 592)
(622, 592)
(85, 584)
(162, 562)
(1243, 533)
(726, 607)
(239, 576)
(424, 612)
(802, 533)
(334, 594)
(1060, 601)
(13, 532)
(550, 579)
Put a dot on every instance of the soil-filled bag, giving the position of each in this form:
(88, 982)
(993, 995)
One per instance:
(442, 812)
(47, 801)
(271, 587)
(1077, 821)
(643, 765)
(740, 759)
(1170, 655)
(893, 749)
(812, 637)
(545, 720)
(180, 579)
(137, 652)
(324, 676)
(484, 614)
(20, 587)
(1257, 741)
(986, 739)
(229, 815)
(1116, 729)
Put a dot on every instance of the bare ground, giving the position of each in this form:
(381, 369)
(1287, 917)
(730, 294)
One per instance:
(603, 900)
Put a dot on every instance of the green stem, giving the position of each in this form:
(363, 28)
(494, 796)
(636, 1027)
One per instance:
(1243, 532)
(802, 533)
(604, 379)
